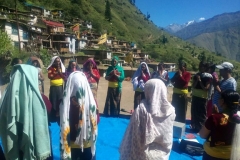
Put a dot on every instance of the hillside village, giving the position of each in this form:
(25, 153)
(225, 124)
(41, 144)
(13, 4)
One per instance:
(40, 28)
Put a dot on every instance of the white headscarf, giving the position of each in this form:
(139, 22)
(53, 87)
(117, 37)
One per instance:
(140, 83)
(156, 99)
(52, 61)
(235, 153)
(77, 85)
(149, 133)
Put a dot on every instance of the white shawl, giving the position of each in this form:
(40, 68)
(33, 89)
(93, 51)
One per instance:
(77, 85)
(52, 61)
(150, 131)
(135, 81)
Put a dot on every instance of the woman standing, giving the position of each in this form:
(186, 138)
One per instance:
(161, 74)
(92, 74)
(211, 70)
(150, 131)
(115, 76)
(16, 61)
(78, 119)
(36, 64)
(23, 117)
(222, 130)
(56, 75)
(72, 66)
(200, 87)
(179, 98)
(140, 77)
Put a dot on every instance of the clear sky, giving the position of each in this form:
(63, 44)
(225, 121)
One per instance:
(165, 12)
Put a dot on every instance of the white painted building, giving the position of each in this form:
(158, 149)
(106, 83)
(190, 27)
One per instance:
(109, 55)
(12, 31)
(46, 13)
(73, 49)
(109, 41)
(83, 42)
(89, 26)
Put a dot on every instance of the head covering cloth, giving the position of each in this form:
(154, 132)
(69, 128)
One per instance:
(77, 85)
(23, 116)
(144, 128)
(85, 64)
(52, 61)
(119, 68)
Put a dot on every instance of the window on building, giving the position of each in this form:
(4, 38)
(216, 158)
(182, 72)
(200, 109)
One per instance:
(25, 35)
(14, 29)
(16, 44)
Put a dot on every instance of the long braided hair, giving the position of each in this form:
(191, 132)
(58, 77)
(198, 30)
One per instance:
(231, 99)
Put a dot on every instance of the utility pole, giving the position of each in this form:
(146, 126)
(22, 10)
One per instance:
(16, 14)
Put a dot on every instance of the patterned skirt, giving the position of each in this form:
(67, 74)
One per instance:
(112, 104)
(94, 88)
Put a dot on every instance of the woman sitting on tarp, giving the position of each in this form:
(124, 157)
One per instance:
(140, 77)
(78, 119)
(72, 66)
(222, 130)
(150, 130)
(115, 76)
(23, 117)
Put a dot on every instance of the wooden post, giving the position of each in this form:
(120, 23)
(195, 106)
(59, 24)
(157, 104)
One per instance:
(19, 43)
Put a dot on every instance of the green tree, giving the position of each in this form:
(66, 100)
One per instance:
(180, 59)
(5, 43)
(79, 2)
(97, 25)
(148, 16)
(210, 59)
(108, 15)
(202, 56)
(132, 2)
(164, 40)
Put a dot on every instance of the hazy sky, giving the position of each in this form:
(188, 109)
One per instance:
(165, 12)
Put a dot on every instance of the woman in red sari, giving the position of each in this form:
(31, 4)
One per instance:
(92, 74)
(91, 71)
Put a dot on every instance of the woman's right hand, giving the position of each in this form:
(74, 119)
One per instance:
(215, 109)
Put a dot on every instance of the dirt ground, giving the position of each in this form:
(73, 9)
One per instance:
(127, 94)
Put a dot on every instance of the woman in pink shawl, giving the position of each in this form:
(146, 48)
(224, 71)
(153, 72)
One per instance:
(150, 131)
(91, 71)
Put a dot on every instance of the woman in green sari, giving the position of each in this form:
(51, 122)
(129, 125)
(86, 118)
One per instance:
(115, 76)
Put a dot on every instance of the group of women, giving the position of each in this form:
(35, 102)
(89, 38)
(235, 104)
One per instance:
(142, 75)
(153, 116)
(219, 126)
(73, 94)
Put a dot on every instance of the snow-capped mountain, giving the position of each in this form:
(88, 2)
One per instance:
(190, 23)
(173, 28)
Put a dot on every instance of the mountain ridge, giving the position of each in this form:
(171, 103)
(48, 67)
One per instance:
(219, 34)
